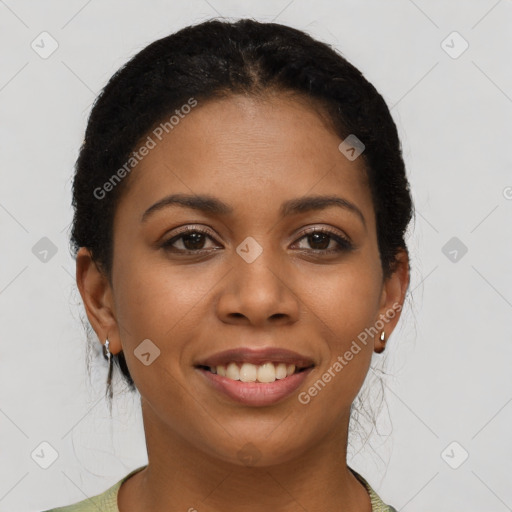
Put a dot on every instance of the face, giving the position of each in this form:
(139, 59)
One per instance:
(248, 275)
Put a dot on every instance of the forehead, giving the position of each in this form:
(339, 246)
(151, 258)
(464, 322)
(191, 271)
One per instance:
(250, 152)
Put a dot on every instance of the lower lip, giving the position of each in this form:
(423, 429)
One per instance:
(256, 394)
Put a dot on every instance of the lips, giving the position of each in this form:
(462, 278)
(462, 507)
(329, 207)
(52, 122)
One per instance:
(243, 374)
(257, 357)
(254, 394)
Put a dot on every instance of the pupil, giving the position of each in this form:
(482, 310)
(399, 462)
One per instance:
(315, 237)
(196, 239)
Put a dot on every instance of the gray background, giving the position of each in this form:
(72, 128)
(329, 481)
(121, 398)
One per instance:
(448, 361)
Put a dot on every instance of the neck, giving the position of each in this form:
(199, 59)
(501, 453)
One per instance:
(180, 476)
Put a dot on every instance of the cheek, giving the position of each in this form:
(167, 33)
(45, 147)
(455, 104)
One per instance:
(347, 306)
(347, 300)
(155, 299)
(158, 303)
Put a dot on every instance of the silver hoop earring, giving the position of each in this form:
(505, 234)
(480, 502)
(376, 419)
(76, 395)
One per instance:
(382, 336)
(106, 351)
(108, 355)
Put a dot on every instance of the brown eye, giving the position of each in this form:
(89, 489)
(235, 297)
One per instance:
(326, 241)
(319, 240)
(191, 239)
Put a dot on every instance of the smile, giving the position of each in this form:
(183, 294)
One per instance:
(247, 372)
(254, 393)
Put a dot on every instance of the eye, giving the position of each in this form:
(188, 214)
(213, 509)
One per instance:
(321, 240)
(192, 240)
(326, 241)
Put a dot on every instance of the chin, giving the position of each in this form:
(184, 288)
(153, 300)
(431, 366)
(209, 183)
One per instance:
(258, 452)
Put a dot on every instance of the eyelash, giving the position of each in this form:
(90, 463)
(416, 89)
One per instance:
(344, 245)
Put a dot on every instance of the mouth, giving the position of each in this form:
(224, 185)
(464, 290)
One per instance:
(267, 372)
(255, 393)
(255, 377)
(264, 365)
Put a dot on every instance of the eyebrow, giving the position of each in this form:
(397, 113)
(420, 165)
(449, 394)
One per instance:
(212, 205)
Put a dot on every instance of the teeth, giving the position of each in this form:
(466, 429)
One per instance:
(232, 371)
(247, 372)
(281, 371)
(266, 372)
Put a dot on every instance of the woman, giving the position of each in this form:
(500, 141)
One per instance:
(240, 209)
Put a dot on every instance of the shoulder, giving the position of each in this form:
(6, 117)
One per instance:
(106, 501)
(377, 504)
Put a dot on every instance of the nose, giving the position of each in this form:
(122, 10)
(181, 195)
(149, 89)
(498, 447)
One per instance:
(260, 293)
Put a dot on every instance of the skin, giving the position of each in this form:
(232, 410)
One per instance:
(252, 154)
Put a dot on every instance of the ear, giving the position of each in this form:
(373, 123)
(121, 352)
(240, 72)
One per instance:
(394, 289)
(97, 297)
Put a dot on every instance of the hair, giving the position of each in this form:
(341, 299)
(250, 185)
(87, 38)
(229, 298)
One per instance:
(217, 59)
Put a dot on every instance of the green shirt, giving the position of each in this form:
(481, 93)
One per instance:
(107, 501)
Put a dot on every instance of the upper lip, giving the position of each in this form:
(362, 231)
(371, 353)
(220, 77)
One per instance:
(257, 357)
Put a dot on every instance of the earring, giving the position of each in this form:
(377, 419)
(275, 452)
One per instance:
(106, 351)
(383, 339)
(108, 355)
